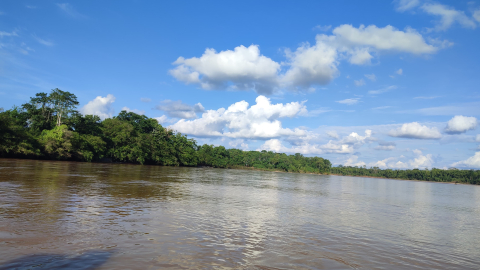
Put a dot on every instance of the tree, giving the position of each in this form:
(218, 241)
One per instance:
(63, 103)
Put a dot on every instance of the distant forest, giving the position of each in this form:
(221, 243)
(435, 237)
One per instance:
(50, 127)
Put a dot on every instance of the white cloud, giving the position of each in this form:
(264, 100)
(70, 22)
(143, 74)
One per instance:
(448, 16)
(399, 72)
(471, 162)
(349, 101)
(461, 124)
(30, 7)
(8, 34)
(477, 139)
(353, 161)
(310, 65)
(140, 112)
(419, 161)
(43, 41)
(260, 121)
(242, 69)
(162, 119)
(476, 15)
(415, 131)
(239, 144)
(70, 11)
(383, 90)
(404, 5)
(333, 134)
(360, 56)
(387, 38)
(346, 145)
(371, 77)
(101, 106)
(359, 82)
(178, 109)
(383, 164)
(245, 68)
(145, 100)
(323, 28)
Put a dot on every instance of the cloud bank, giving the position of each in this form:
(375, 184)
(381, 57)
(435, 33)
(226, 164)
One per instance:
(245, 68)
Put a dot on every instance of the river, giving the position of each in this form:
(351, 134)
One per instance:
(69, 215)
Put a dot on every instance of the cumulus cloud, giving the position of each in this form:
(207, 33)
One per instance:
(177, 109)
(310, 65)
(101, 106)
(477, 139)
(333, 134)
(346, 145)
(349, 101)
(471, 162)
(239, 144)
(359, 82)
(419, 161)
(242, 69)
(399, 71)
(260, 121)
(461, 124)
(162, 119)
(133, 110)
(415, 131)
(448, 16)
(353, 161)
(245, 68)
(371, 77)
(404, 5)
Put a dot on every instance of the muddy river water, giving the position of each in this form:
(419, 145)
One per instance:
(68, 215)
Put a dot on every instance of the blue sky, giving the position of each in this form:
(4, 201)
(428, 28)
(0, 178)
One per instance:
(389, 84)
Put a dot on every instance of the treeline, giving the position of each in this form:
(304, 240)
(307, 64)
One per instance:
(50, 127)
(437, 175)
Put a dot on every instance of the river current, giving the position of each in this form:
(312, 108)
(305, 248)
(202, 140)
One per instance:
(69, 215)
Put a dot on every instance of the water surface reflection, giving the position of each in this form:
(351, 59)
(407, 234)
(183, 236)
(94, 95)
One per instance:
(200, 218)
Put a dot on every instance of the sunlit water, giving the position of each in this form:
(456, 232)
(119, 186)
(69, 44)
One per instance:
(56, 215)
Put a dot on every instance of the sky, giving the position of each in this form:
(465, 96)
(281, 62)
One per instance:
(389, 84)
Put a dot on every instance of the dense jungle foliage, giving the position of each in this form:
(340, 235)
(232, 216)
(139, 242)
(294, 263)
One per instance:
(50, 127)
(436, 175)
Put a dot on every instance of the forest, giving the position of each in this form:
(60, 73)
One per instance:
(49, 126)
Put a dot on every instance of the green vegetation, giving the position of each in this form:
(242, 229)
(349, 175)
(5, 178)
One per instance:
(436, 175)
(50, 127)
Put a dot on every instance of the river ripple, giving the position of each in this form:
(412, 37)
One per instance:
(57, 215)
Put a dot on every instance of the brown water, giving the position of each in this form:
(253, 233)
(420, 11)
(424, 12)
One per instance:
(66, 215)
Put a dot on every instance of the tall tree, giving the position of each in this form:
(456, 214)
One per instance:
(63, 103)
